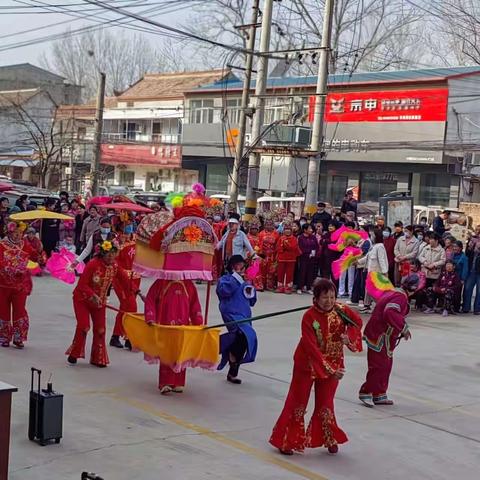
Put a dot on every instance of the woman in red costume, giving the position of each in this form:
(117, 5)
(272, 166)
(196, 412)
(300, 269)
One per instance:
(89, 301)
(326, 328)
(126, 293)
(172, 302)
(15, 286)
(287, 252)
(268, 248)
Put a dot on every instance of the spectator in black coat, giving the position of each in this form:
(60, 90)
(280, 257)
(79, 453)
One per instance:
(349, 204)
(321, 216)
(439, 223)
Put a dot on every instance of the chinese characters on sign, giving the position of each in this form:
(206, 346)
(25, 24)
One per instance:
(419, 105)
(338, 145)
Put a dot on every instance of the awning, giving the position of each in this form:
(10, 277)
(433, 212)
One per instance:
(17, 162)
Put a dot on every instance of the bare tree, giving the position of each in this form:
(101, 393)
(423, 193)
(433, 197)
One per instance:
(458, 27)
(367, 34)
(37, 127)
(124, 58)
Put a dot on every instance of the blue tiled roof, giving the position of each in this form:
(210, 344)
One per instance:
(234, 83)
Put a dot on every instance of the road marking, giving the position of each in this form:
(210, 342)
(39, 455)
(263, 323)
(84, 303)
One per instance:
(224, 440)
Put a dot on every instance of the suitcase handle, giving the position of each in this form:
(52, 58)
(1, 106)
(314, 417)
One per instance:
(39, 373)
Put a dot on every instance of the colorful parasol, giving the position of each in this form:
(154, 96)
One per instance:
(349, 257)
(127, 206)
(98, 201)
(60, 266)
(39, 215)
(377, 284)
(253, 270)
(178, 347)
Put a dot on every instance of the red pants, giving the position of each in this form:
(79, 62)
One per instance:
(268, 269)
(378, 375)
(289, 431)
(167, 376)
(285, 273)
(128, 303)
(13, 315)
(83, 312)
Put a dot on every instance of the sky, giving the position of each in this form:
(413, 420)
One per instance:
(17, 16)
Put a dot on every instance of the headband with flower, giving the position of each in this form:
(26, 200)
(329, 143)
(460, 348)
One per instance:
(106, 246)
(14, 226)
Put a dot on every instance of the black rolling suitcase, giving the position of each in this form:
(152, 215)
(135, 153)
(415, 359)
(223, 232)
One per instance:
(46, 413)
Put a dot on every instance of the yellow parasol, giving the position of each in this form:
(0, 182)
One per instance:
(39, 215)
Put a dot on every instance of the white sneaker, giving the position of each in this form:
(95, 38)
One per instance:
(299, 292)
(177, 389)
(445, 313)
(310, 292)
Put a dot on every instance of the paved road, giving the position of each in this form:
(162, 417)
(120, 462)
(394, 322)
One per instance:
(118, 425)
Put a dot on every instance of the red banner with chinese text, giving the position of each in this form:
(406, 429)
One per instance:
(162, 156)
(418, 105)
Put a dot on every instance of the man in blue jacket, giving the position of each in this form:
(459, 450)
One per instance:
(237, 296)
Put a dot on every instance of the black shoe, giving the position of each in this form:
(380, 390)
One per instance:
(128, 345)
(115, 342)
(71, 360)
(234, 380)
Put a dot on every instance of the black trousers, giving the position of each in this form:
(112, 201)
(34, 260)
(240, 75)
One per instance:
(237, 351)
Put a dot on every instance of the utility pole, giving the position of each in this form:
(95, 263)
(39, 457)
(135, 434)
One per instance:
(260, 89)
(320, 102)
(244, 105)
(97, 145)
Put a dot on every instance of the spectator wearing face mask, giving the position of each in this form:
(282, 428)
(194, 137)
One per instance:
(397, 230)
(406, 250)
(321, 216)
(389, 244)
(432, 259)
(103, 233)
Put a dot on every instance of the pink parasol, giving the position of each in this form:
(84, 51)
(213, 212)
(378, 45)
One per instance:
(349, 257)
(60, 266)
(98, 201)
(131, 207)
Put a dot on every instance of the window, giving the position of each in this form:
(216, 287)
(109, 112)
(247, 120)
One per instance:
(201, 111)
(434, 189)
(127, 178)
(275, 109)
(81, 133)
(375, 185)
(233, 110)
(167, 130)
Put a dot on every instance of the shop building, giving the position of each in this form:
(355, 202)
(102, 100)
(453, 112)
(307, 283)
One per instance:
(413, 130)
(142, 133)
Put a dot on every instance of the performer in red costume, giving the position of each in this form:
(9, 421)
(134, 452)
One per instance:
(287, 253)
(254, 239)
(89, 300)
(382, 334)
(268, 249)
(326, 328)
(172, 302)
(15, 286)
(127, 294)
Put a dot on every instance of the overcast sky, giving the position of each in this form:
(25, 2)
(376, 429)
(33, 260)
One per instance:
(16, 16)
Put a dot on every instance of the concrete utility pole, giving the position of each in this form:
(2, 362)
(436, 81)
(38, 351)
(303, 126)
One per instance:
(260, 89)
(244, 105)
(320, 102)
(97, 145)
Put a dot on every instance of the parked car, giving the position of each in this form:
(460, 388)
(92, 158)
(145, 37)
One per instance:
(110, 190)
(148, 198)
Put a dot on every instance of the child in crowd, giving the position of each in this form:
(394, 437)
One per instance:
(415, 282)
(441, 297)
(68, 244)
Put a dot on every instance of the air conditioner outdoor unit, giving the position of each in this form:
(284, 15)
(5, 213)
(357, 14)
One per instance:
(291, 135)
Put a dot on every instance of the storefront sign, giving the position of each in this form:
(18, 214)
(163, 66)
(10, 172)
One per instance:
(388, 106)
(345, 145)
(163, 156)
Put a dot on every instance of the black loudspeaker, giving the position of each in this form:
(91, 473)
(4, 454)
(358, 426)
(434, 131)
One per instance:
(46, 413)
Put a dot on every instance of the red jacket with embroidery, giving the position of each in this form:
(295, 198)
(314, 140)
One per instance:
(287, 249)
(96, 279)
(13, 265)
(320, 349)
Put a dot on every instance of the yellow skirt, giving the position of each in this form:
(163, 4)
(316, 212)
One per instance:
(178, 347)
